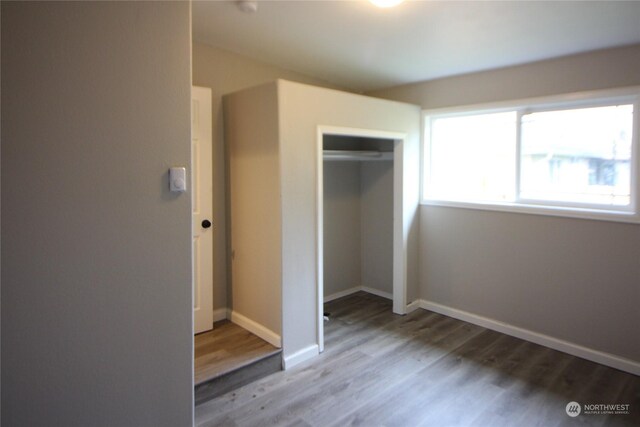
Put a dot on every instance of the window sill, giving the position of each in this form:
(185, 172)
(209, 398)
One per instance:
(579, 213)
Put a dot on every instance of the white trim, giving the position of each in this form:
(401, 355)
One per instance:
(221, 314)
(414, 305)
(597, 356)
(342, 293)
(377, 292)
(300, 356)
(599, 215)
(399, 238)
(319, 239)
(257, 329)
(355, 289)
(364, 133)
(568, 99)
(518, 153)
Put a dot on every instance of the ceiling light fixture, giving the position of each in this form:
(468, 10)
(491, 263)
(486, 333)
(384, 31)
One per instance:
(386, 3)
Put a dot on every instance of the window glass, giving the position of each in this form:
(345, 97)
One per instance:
(472, 157)
(569, 156)
(580, 156)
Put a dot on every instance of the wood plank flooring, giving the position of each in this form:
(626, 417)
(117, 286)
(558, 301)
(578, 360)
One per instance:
(225, 348)
(424, 369)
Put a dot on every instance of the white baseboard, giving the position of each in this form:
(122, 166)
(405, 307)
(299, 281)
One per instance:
(221, 314)
(257, 329)
(377, 292)
(342, 293)
(597, 356)
(413, 306)
(300, 356)
(355, 289)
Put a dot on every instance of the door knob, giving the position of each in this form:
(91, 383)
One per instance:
(206, 223)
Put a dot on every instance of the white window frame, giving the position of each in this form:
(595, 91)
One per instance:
(600, 98)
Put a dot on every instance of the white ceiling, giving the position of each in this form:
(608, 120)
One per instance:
(358, 46)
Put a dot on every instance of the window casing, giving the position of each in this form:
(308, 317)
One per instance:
(574, 155)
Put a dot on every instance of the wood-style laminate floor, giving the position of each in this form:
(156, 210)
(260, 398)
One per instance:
(226, 347)
(424, 369)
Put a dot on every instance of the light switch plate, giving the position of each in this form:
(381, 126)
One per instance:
(178, 179)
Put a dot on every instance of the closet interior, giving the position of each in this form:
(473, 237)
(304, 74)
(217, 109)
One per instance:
(357, 216)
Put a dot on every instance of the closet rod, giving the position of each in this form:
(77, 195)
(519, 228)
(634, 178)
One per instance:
(356, 155)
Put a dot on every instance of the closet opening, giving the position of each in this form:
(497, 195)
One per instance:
(360, 245)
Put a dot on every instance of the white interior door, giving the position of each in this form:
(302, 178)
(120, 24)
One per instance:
(202, 208)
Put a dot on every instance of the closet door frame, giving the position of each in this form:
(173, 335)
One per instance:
(400, 231)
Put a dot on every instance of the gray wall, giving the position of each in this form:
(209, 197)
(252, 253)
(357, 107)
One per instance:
(255, 221)
(96, 264)
(601, 69)
(376, 207)
(573, 279)
(358, 225)
(341, 226)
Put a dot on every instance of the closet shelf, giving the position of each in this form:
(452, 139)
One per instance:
(360, 155)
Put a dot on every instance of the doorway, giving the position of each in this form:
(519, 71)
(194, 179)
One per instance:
(359, 211)
(202, 208)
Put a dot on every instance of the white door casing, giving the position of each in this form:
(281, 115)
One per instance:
(399, 237)
(202, 208)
